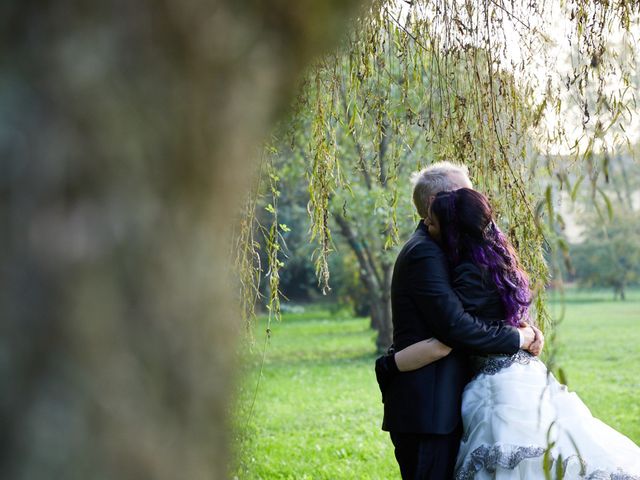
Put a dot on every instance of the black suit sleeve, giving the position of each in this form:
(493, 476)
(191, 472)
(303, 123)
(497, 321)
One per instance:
(428, 275)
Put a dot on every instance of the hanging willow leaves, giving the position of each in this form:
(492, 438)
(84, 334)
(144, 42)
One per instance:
(533, 98)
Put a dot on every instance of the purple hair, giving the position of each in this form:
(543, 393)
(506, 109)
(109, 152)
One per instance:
(469, 233)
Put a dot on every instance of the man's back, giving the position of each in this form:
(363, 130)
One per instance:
(426, 400)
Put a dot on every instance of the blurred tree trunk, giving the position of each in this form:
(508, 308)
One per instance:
(126, 134)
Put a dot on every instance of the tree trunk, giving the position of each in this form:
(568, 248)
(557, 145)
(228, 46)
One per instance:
(381, 312)
(127, 133)
(381, 309)
(385, 325)
(377, 313)
(618, 291)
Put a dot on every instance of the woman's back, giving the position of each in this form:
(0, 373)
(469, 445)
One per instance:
(477, 292)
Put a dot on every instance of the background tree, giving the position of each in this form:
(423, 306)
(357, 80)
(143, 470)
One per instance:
(596, 221)
(609, 256)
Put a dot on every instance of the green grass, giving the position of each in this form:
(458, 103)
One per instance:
(599, 350)
(317, 411)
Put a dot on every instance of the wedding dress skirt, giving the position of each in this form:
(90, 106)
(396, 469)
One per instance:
(518, 420)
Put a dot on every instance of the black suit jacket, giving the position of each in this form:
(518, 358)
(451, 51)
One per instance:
(425, 305)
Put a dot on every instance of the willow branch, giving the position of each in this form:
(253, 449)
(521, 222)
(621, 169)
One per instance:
(382, 151)
(350, 131)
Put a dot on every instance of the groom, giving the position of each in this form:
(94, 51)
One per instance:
(422, 407)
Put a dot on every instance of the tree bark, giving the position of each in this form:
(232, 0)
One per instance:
(381, 318)
(128, 130)
(385, 332)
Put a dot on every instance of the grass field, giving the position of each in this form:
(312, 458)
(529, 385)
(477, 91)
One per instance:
(317, 411)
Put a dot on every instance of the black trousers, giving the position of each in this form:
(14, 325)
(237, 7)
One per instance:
(426, 456)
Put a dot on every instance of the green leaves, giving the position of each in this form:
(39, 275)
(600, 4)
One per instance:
(409, 87)
(607, 202)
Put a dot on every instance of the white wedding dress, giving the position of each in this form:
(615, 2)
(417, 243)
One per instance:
(519, 421)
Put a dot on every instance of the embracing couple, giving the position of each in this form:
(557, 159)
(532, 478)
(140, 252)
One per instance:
(464, 393)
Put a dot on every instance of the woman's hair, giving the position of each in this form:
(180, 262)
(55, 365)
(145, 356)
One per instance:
(469, 232)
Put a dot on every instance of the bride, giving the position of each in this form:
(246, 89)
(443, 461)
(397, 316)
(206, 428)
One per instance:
(519, 422)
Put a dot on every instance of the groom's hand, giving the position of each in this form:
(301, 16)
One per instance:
(527, 335)
(538, 344)
(533, 338)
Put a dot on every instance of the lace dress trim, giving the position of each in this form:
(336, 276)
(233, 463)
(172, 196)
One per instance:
(492, 364)
(490, 457)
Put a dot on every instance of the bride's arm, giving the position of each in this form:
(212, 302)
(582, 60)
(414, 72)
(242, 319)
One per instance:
(420, 354)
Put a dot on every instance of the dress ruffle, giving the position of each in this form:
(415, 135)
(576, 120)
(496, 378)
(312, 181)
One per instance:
(518, 419)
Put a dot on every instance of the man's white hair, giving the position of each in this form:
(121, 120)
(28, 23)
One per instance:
(437, 177)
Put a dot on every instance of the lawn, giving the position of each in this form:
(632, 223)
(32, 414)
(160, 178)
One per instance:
(317, 411)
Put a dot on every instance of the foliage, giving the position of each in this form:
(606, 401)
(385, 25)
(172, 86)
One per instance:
(609, 256)
(483, 83)
(319, 412)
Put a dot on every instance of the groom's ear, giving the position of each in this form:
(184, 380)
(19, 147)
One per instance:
(431, 199)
